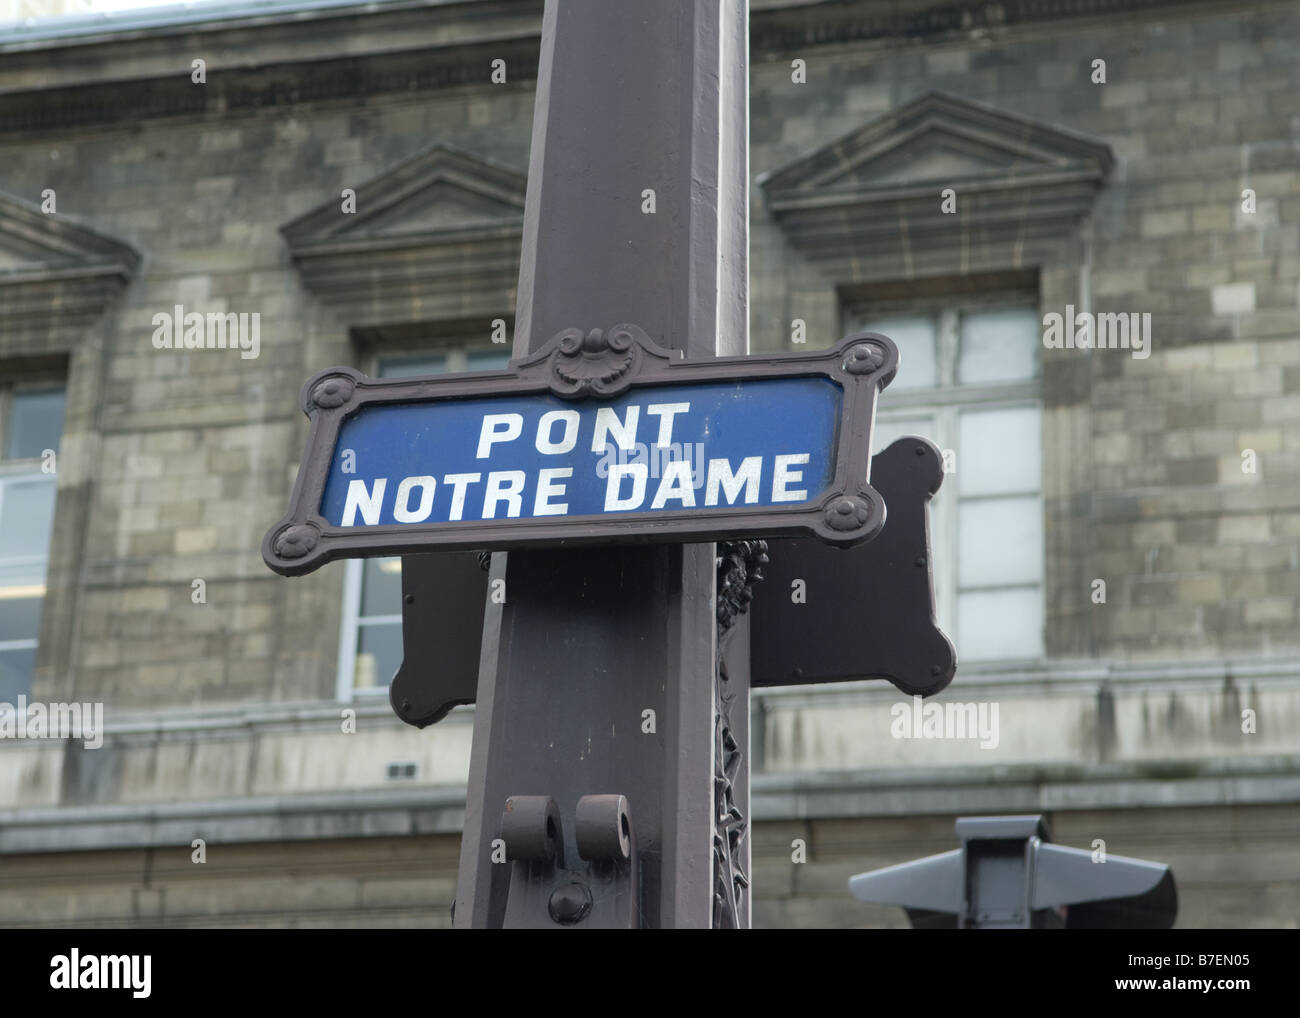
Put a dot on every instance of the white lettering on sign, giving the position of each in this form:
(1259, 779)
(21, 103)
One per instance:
(402, 511)
(546, 426)
(639, 472)
(720, 477)
(626, 488)
(504, 486)
(459, 482)
(783, 476)
(547, 488)
(666, 412)
(368, 502)
(676, 485)
(607, 423)
(514, 427)
(661, 477)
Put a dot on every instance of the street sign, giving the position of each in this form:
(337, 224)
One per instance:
(796, 640)
(598, 437)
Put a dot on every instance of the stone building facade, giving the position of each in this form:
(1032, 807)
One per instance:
(1117, 541)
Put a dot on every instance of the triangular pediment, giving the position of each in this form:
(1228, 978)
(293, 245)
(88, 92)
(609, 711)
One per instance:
(916, 191)
(436, 237)
(442, 192)
(56, 274)
(938, 137)
(35, 245)
(934, 155)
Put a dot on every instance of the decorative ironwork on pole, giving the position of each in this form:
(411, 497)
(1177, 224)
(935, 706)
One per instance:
(740, 566)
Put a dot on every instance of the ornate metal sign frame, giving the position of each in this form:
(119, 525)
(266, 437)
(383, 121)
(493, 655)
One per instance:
(599, 364)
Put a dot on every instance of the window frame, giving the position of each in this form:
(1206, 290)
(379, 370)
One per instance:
(29, 469)
(457, 350)
(29, 381)
(944, 403)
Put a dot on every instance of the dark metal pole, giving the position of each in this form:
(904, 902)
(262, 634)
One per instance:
(636, 212)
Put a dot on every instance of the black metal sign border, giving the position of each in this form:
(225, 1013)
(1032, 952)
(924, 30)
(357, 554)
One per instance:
(596, 365)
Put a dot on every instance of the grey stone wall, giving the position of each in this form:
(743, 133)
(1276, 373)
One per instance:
(1143, 475)
(1235, 868)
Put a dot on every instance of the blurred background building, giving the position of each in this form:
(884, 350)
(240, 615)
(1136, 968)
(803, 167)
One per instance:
(21, 10)
(1122, 156)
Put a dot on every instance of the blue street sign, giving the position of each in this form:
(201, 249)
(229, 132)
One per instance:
(765, 442)
(598, 437)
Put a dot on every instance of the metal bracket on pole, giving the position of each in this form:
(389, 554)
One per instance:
(544, 892)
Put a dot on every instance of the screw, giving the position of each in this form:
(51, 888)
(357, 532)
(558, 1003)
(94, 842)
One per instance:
(920, 562)
(570, 903)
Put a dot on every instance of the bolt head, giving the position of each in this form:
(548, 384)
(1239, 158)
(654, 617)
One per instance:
(333, 392)
(570, 903)
(863, 359)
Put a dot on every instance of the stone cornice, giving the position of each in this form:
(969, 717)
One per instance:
(246, 90)
(241, 719)
(867, 206)
(59, 274)
(266, 57)
(436, 236)
(397, 192)
(791, 26)
(776, 797)
(353, 813)
(1027, 788)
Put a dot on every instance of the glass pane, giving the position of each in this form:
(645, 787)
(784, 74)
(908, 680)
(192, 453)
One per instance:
(35, 423)
(20, 617)
(488, 360)
(402, 367)
(1000, 451)
(16, 669)
(915, 339)
(1000, 540)
(999, 346)
(26, 514)
(890, 428)
(381, 587)
(994, 624)
(379, 654)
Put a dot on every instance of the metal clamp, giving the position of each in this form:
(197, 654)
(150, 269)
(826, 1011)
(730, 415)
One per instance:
(599, 890)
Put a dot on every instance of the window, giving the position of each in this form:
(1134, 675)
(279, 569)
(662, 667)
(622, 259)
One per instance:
(968, 381)
(31, 423)
(370, 644)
